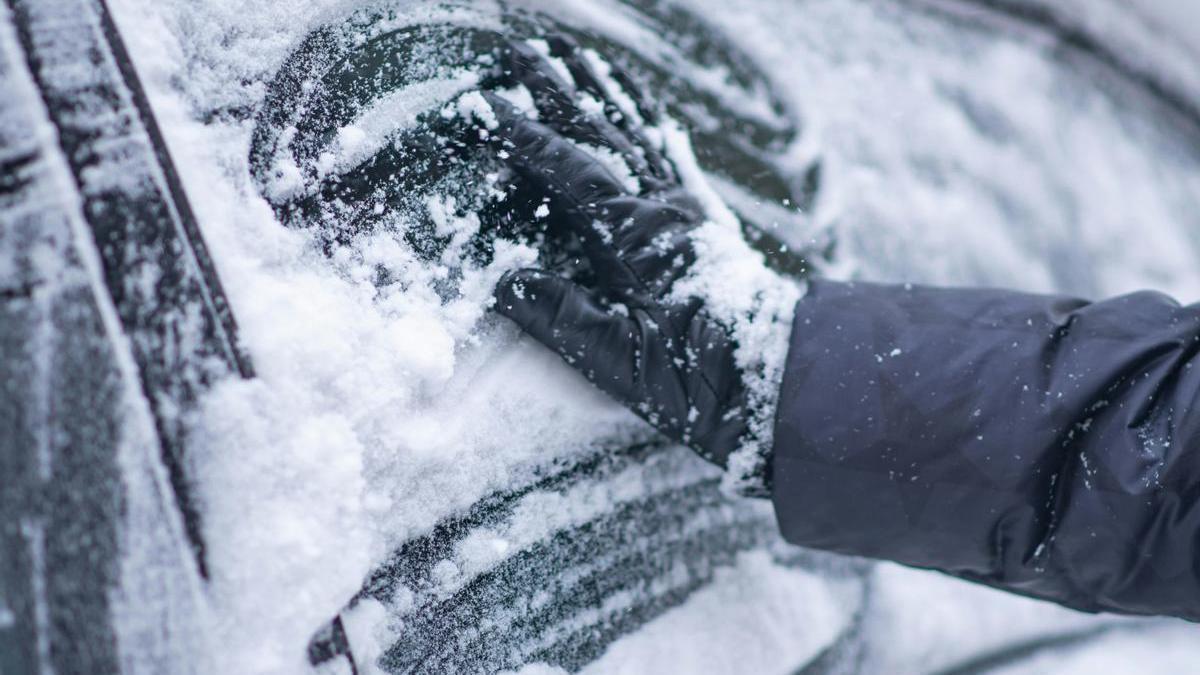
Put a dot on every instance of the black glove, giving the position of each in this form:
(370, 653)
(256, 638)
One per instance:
(664, 357)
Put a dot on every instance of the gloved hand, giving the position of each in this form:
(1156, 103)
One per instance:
(658, 352)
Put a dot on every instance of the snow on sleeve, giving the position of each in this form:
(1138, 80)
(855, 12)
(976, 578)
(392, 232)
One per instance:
(754, 302)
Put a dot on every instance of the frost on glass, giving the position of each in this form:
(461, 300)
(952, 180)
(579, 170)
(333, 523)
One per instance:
(370, 141)
(408, 483)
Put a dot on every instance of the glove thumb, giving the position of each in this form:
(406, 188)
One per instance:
(571, 320)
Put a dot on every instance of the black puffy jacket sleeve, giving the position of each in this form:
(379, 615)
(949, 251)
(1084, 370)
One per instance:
(1040, 444)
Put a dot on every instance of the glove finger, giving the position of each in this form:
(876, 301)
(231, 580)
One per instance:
(624, 353)
(627, 118)
(667, 259)
(578, 184)
(551, 162)
(694, 398)
(555, 98)
(653, 241)
(598, 341)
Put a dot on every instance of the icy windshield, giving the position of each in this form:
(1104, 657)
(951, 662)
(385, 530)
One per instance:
(907, 141)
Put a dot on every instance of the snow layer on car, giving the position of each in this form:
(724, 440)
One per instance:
(369, 424)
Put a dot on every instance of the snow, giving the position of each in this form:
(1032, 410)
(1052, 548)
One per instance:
(520, 97)
(922, 188)
(374, 416)
(1168, 649)
(152, 591)
(472, 106)
(398, 110)
(750, 610)
(929, 627)
(603, 70)
(543, 48)
(616, 166)
(367, 629)
(755, 303)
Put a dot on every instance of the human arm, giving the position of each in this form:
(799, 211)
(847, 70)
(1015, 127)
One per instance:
(1040, 444)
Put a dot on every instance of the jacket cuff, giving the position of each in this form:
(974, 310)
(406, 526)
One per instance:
(763, 346)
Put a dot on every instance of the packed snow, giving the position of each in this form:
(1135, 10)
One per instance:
(951, 156)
